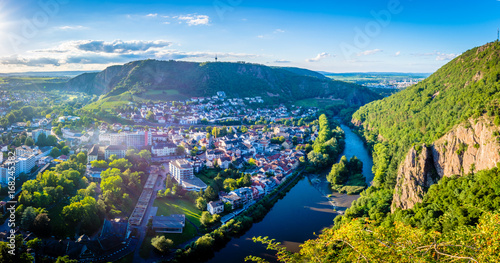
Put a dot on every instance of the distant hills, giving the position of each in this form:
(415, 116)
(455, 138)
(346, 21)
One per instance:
(176, 80)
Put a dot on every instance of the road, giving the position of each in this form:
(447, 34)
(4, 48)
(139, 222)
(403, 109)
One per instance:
(150, 211)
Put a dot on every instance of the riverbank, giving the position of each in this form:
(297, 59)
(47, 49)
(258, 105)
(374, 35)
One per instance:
(203, 248)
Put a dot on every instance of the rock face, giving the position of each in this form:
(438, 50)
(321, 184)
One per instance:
(472, 146)
(415, 176)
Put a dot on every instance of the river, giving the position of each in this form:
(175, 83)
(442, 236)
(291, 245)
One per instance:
(301, 214)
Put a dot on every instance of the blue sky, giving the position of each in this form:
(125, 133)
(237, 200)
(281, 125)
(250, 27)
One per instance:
(334, 36)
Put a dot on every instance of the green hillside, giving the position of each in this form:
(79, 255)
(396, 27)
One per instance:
(177, 80)
(458, 219)
(466, 87)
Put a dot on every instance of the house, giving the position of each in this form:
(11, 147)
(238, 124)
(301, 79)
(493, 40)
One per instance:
(93, 154)
(214, 154)
(287, 144)
(244, 193)
(118, 150)
(215, 207)
(224, 162)
(169, 224)
(94, 174)
(163, 149)
(233, 199)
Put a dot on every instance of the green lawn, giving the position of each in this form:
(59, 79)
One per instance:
(207, 175)
(168, 207)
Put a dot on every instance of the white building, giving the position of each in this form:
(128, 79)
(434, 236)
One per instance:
(163, 149)
(180, 169)
(215, 207)
(37, 132)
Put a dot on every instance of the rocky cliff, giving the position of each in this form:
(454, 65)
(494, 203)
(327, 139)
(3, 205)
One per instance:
(469, 147)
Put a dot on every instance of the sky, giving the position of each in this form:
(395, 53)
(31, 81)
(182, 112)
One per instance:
(332, 36)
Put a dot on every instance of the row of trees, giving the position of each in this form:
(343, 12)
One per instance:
(328, 145)
(347, 176)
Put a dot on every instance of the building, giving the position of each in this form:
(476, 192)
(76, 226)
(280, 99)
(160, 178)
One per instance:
(163, 149)
(118, 150)
(93, 154)
(180, 170)
(36, 133)
(169, 224)
(233, 199)
(215, 207)
(131, 139)
(118, 139)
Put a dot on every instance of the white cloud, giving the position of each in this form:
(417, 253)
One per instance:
(29, 61)
(260, 36)
(71, 28)
(279, 31)
(166, 23)
(193, 20)
(95, 53)
(152, 15)
(397, 53)
(319, 57)
(282, 61)
(369, 52)
(441, 56)
(119, 46)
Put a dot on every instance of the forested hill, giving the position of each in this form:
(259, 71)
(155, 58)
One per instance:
(468, 86)
(436, 160)
(153, 79)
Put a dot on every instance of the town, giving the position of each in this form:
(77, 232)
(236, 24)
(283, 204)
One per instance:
(179, 163)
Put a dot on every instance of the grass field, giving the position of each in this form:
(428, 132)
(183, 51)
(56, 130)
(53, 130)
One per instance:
(113, 102)
(168, 94)
(168, 207)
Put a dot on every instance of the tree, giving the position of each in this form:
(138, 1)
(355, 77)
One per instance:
(162, 244)
(180, 150)
(210, 194)
(145, 154)
(41, 224)
(230, 184)
(122, 164)
(99, 164)
(81, 157)
(41, 140)
(28, 218)
(66, 259)
(201, 203)
(339, 173)
(252, 162)
(65, 150)
(150, 116)
(54, 153)
(29, 141)
(51, 140)
(206, 218)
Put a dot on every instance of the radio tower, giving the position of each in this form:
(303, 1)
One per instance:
(498, 34)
